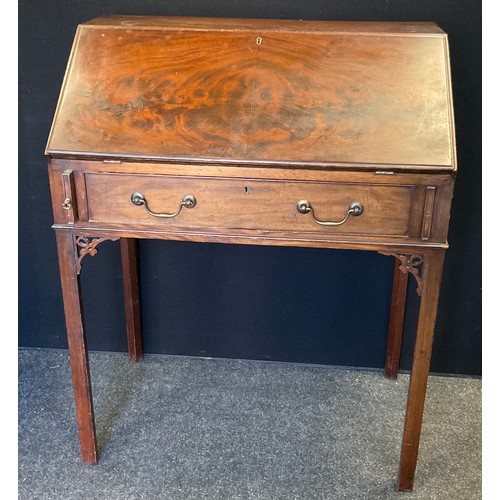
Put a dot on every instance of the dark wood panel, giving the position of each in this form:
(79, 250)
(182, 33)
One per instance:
(255, 237)
(232, 182)
(249, 204)
(257, 96)
(216, 169)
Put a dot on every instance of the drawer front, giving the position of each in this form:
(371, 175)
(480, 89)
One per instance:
(233, 204)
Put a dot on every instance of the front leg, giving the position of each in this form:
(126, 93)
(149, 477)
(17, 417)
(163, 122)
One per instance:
(71, 292)
(431, 280)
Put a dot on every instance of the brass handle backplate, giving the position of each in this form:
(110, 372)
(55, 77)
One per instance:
(355, 209)
(188, 201)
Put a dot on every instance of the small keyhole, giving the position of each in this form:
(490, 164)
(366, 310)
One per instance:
(246, 190)
(259, 40)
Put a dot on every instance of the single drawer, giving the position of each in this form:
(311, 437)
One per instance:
(241, 204)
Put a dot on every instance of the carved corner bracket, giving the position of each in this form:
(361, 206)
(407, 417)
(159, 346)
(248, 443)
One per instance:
(86, 246)
(410, 264)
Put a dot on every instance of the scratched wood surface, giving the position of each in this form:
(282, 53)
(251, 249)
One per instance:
(314, 93)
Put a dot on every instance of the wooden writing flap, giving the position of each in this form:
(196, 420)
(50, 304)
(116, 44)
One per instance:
(336, 94)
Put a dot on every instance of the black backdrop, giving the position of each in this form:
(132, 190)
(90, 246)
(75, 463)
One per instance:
(285, 304)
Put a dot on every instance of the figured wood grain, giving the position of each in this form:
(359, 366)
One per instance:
(318, 99)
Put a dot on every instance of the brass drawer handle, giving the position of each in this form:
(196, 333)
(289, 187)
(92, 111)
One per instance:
(355, 209)
(188, 201)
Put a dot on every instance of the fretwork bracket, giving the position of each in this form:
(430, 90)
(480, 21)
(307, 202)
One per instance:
(86, 246)
(410, 264)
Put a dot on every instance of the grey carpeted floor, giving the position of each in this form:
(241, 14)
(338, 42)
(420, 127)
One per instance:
(182, 428)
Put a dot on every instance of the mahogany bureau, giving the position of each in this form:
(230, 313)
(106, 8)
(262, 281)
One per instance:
(264, 132)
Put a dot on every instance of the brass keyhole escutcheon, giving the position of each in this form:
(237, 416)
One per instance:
(258, 40)
(67, 204)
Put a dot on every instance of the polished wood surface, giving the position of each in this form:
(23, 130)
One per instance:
(394, 212)
(432, 272)
(258, 95)
(396, 321)
(77, 346)
(249, 204)
(251, 116)
(218, 24)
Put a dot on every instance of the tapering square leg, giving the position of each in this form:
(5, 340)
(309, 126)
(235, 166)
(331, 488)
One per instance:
(432, 269)
(71, 293)
(396, 321)
(131, 295)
